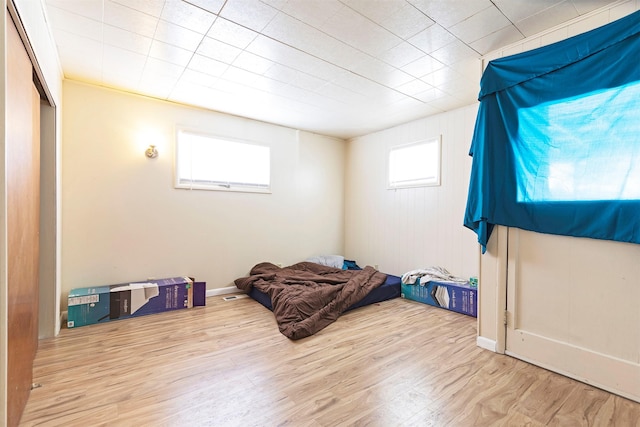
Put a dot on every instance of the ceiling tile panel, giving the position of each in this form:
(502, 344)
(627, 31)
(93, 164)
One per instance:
(450, 12)
(254, 63)
(212, 6)
(250, 14)
(414, 87)
(314, 42)
(401, 54)
(359, 32)
(502, 37)
(547, 18)
(517, 11)
(118, 37)
(177, 35)
(313, 12)
(218, 50)
(480, 25)
(75, 24)
(185, 14)
(588, 6)
(406, 22)
(375, 10)
(454, 52)
(129, 19)
(208, 66)
(195, 77)
(432, 38)
(231, 33)
(170, 54)
(425, 65)
(149, 7)
(91, 9)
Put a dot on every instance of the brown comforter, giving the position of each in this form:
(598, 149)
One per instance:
(307, 297)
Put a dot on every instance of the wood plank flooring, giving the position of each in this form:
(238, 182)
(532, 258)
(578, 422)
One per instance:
(397, 363)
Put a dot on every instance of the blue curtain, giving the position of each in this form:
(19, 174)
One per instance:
(556, 145)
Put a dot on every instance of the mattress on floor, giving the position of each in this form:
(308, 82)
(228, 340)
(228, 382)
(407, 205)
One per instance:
(388, 290)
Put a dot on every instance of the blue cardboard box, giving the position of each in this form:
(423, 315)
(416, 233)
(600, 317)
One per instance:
(458, 297)
(100, 304)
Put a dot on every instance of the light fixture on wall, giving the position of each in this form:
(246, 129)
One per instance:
(151, 152)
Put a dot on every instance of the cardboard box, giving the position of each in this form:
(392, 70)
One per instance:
(100, 304)
(458, 297)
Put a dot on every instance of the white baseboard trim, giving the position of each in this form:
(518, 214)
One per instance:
(487, 344)
(222, 291)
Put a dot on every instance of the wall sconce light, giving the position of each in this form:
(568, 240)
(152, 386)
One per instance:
(151, 152)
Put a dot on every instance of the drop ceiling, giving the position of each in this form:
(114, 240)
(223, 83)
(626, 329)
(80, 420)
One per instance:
(342, 68)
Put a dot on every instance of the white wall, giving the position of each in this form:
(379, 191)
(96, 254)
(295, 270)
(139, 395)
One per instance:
(405, 229)
(124, 221)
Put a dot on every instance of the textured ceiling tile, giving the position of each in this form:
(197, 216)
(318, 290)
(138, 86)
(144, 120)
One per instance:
(312, 41)
(313, 12)
(546, 19)
(169, 53)
(254, 63)
(212, 6)
(375, 10)
(519, 10)
(450, 12)
(156, 67)
(129, 19)
(503, 37)
(207, 65)
(180, 13)
(118, 37)
(149, 7)
(196, 77)
(454, 52)
(218, 50)
(407, 22)
(480, 25)
(231, 33)
(401, 55)
(432, 38)
(75, 24)
(91, 9)
(293, 77)
(251, 14)
(359, 32)
(414, 87)
(587, 6)
(425, 65)
(177, 35)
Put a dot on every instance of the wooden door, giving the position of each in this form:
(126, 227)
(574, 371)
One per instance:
(573, 306)
(23, 207)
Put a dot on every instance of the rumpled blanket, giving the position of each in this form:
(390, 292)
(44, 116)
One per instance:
(307, 297)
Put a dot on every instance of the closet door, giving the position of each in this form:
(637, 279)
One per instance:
(573, 306)
(23, 209)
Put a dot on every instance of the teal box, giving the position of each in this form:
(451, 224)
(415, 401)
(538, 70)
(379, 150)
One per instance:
(458, 297)
(101, 304)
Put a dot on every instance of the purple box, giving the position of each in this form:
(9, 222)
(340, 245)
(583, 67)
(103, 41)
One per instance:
(100, 304)
(458, 297)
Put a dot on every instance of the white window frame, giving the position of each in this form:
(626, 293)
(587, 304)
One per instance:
(186, 183)
(425, 181)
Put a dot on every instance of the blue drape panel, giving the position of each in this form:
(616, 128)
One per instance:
(556, 145)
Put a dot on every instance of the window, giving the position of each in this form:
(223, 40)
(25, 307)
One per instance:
(208, 162)
(556, 146)
(415, 165)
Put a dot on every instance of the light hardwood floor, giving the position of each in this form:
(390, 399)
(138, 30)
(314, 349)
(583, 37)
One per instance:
(397, 363)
